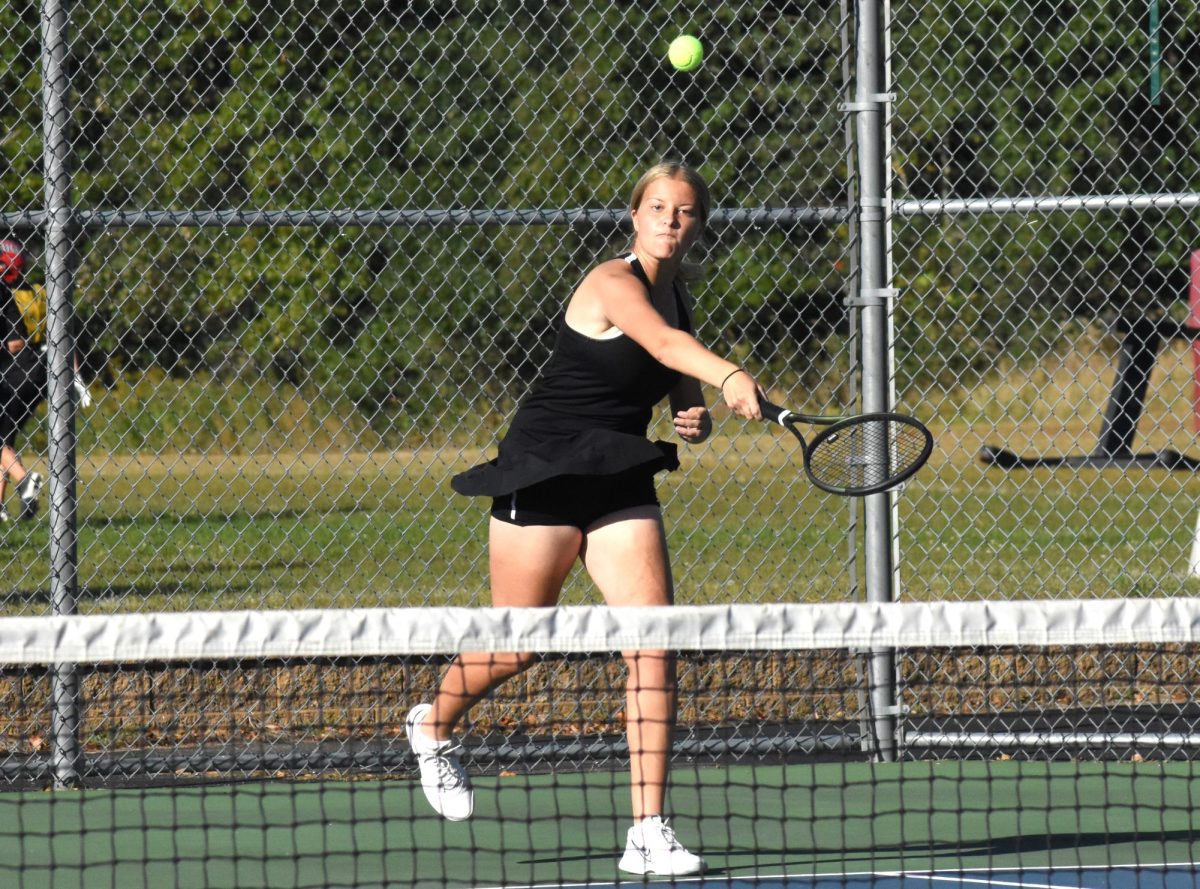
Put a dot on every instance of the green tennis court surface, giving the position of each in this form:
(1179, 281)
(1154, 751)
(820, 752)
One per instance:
(896, 825)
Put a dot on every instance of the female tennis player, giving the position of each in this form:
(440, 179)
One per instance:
(574, 479)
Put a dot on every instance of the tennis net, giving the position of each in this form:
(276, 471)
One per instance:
(1023, 743)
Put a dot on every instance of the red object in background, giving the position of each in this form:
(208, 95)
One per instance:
(1193, 322)
(12, 261)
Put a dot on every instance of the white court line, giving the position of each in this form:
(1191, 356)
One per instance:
(981, 881)
(940, 875)
(1014, 868)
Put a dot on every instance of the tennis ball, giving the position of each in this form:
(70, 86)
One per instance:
(686, 53)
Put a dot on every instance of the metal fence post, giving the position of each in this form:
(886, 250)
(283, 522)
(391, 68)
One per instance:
(60, 227)
(872, 303)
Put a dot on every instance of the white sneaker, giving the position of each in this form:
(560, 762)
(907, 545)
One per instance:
(651, 848)
(28, 491)
(443, 778)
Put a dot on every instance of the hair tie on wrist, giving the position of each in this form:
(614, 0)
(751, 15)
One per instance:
(736, 370)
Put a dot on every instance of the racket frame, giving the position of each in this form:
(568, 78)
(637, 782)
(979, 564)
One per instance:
(790, 419)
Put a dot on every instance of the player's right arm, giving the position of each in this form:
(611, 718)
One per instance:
(624, 302)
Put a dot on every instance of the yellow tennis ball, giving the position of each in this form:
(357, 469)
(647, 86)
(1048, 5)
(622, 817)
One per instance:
(686, 53)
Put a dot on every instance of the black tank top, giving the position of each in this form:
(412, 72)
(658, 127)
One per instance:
(588, 412)
(610, 383)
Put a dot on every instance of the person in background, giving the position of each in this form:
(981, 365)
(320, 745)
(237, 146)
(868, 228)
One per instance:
(23, 373)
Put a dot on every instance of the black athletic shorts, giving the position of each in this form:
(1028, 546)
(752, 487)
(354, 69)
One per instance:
(578, 500)
(22, 389)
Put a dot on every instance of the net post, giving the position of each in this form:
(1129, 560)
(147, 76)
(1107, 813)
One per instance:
(60, 227)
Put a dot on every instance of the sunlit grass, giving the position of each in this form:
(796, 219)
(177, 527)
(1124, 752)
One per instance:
(333, 524)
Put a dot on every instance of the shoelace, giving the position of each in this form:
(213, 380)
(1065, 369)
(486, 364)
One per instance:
(668, 834)
(450, 775)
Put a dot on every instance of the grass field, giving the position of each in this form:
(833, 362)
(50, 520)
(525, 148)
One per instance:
(385, 530)
(263, 525)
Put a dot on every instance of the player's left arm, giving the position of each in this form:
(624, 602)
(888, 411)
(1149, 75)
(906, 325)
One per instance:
(688, 411)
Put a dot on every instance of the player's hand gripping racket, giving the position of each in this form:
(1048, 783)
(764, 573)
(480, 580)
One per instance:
(860, 455)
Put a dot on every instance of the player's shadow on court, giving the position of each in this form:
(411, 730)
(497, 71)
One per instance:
(888, 853)
(995, 847)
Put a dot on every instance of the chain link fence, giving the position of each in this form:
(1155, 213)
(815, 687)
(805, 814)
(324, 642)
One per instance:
(316, 253)
(1045, 175)
(319, 251)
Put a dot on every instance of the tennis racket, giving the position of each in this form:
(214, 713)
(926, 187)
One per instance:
(859, 455)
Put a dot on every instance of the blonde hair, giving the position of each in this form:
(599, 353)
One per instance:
(672, 170)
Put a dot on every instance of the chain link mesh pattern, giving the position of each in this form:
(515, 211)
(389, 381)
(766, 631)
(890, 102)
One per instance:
(1046, 179)
(323, 247)
(323, 251)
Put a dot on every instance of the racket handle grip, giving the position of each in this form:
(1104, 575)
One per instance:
(772, 413)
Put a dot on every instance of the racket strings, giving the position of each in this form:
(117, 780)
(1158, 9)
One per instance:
(866, 453)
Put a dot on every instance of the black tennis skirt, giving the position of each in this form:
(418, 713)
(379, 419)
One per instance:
(524, 460)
